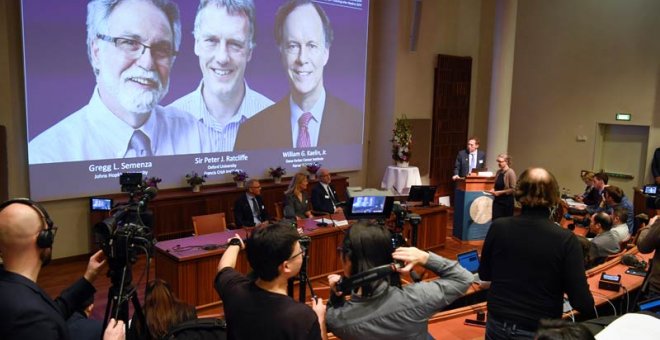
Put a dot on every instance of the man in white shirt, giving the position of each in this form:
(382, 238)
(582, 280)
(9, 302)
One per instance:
(131, 46)
(620, 229)
(224, 41)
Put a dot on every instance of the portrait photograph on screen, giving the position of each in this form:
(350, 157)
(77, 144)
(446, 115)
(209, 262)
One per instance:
(166, 88)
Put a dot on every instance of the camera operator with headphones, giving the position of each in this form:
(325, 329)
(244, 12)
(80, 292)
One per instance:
(381, 308)
(26, 243)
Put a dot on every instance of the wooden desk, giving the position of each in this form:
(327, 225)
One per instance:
(190, 270)
(173, 209)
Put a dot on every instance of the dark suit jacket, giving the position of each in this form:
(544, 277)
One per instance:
(321, 201)
(655, 165)
(243, 211)
(83, 328)
(341, 124)
(462, 163)
(27, 312)
(294, 208)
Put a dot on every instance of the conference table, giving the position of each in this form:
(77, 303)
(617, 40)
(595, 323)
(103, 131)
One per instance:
(189, 264)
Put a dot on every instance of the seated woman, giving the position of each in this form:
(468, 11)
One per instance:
(590, 196)
(296, 204)
(505, 182)
(162, 310)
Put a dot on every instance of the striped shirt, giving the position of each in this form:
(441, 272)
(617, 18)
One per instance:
(221, 137)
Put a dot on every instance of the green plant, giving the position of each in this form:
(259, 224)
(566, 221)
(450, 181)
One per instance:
(401, 140)
(194, 179)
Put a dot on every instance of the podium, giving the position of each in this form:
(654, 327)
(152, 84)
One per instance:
(472, 207)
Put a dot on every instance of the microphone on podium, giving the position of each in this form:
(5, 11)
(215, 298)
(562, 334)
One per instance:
(322, 223)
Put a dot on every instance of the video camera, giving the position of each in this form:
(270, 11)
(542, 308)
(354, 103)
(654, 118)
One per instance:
(125, 231)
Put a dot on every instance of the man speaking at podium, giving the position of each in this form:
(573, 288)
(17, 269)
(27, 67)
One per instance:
(468, 159)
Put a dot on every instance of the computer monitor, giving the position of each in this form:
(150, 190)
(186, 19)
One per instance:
(651, 190)
(369, 207)
(422, 193)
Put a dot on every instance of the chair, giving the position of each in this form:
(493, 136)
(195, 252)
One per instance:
(207, 224)
(279, 210)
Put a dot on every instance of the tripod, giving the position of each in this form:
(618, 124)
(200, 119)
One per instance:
(305, 242)
(119, 294)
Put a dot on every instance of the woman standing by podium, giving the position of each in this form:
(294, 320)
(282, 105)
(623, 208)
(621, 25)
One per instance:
(505, 182)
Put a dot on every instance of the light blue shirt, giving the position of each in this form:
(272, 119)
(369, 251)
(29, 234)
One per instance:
(94, 132)
(314, 125)
(219, 137)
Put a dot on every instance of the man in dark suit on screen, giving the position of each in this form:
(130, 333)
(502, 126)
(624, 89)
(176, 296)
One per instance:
(468, 159)
(324, 196)
(249, 208)
(308, 116)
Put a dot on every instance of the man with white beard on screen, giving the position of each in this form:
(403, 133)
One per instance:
(131, 45)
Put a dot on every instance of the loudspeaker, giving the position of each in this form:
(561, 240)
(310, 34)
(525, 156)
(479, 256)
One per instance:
(414, 26)
(46, 236)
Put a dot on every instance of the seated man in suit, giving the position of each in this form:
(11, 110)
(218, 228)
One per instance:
(249, 209)
(606, 242)
(468, 159)
(324, 196)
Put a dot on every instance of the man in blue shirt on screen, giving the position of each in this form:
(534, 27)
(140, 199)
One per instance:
(131, 46)
(308, 116)
(224, 41)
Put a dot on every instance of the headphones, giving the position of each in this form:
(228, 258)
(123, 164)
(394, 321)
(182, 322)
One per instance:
(46, 236)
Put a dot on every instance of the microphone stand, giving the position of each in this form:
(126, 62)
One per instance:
(322, 223)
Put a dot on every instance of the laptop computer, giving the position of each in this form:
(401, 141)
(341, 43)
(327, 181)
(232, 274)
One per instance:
(470, 261)
(651, 305)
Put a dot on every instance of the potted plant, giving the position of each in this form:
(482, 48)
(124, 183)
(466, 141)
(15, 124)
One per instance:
(277, 173)
(195, 180)
(239, 177)
(312, 168)
(401, 141)
(151, 182)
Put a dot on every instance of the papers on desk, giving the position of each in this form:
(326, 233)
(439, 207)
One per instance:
(336, 223)
(631, 326)
(575, 204)
(485, 174)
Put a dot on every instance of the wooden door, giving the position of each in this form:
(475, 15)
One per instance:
(451, 111)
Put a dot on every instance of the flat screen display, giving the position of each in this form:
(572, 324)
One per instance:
(100, 204)
(123, 100)
(369, 207)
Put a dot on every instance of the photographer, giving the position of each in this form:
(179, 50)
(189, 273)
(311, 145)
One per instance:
(260, 308)
(26, 242)
(647, 244)
(382, 309)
